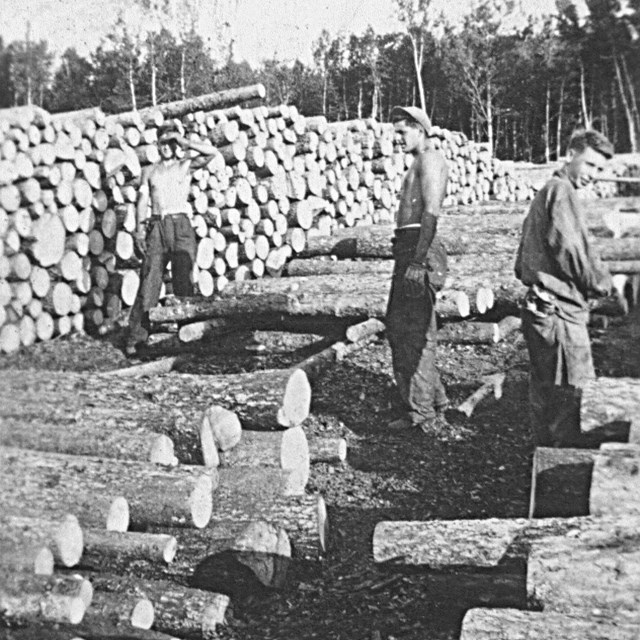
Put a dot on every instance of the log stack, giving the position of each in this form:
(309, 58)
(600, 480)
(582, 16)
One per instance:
(68, 187)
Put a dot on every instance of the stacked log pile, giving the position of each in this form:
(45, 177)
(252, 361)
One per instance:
(161, 548)
(580, 565)
(68, 187)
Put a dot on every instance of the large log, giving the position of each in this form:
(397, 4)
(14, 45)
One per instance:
(322, 266)
(588, 571)
(89, 487)
(207, 102)
(177, 610)
(287, 450)
(328, 450)
(28, 597)
(102, 548)
(35, 544)
(485, 543)
(121, 610)
(615, 481)
(610, 407)
(304, 518)
(82, 631)
(508, 624)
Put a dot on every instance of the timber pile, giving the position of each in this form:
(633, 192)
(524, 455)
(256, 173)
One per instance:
(69, 182)
(581, 571)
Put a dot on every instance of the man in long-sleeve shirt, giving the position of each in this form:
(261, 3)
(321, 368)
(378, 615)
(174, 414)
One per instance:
(555, 261)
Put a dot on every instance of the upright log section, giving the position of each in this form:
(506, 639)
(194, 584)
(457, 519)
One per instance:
(615, 481)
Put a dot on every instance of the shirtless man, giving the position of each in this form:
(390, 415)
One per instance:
(169, 235)
(420, 265)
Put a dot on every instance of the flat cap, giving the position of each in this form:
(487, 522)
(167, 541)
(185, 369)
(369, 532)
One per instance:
(412, 113)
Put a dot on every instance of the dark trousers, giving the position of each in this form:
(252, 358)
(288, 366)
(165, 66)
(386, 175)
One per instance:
(411, 330)
(560, 366)
(168, 239)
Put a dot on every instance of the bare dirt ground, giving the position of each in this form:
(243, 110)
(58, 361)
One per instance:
(474, 468)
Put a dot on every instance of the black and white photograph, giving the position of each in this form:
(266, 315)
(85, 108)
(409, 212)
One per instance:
(320, 319)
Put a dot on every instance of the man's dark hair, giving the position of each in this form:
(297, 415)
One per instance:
(584, 138)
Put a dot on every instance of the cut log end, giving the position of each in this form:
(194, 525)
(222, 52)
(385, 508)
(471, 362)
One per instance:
(296, 402)
(118, 517)
(201, 502)
(323, 524)
(162, 451)
(170, 549)
(69, 542)
(208, 446)
(75, 610)
(142, 615)
(225, 426)
(294, 452)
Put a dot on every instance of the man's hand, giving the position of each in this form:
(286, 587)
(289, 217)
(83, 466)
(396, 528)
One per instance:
(415, 280)
(140, 242)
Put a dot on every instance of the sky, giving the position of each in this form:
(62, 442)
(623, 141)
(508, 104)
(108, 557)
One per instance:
(261, 29)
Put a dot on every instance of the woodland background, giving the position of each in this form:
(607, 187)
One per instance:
(522, 90)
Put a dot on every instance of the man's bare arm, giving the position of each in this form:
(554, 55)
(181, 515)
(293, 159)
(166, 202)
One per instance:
(433, 173)
(204, 148)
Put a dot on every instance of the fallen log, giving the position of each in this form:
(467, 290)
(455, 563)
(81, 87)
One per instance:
(468, 332)
(27, 597)
(560, 482)
(610, 407)
(82, 631)
(156, 367)
(177, 610)
(507, 624)
(287, 450)
(233, 558)
(207, 102)
(102, 548)
(328, 450)
(120, 610)
(304, 518)
(615, 481)
(631, 267)
(89, 486)
(251, 484)
(362, 330)
(324, 266)
(492, 384)
(485, 543)
(587, 572)
(35, 544)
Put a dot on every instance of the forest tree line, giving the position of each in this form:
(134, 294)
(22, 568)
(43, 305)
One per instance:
(522, 89)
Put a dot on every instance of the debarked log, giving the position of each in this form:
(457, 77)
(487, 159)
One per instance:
(121, 610)
(328, 450)
(177, 610)
(507, 624)
(35, 544)
(118, 493)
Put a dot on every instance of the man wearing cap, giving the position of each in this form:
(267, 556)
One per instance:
(420, 265)
(169, 235)
(555, 261)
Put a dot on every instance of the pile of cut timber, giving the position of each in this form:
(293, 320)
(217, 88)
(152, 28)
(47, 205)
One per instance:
(69, 183)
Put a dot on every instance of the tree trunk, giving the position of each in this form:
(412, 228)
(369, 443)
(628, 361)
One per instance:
(304, 518)
(287, 450)
(177, 610)
(615, 481)
(85, 631)
(103, 548)
(34, 544)
(547, 125)
(610, 407)
(327, 450)
(593, 570)
(484, 543)
(633, 141)
(559, 124)
(506, 624)
(93, 489)
(30, 598)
